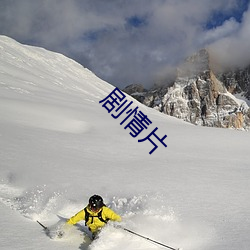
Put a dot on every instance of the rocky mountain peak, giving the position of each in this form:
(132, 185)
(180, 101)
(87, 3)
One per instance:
(196, 64)
(200, 96)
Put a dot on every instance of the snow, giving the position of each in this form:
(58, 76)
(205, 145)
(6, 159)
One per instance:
(59, 146)
(242, 99)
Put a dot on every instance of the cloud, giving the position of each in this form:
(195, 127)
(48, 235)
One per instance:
(228, 28)
(125, 42)
(233, 49)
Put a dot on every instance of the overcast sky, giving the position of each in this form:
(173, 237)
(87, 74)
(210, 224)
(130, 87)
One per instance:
(131, 41)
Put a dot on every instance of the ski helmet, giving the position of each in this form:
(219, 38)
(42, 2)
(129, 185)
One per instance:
(95, 202)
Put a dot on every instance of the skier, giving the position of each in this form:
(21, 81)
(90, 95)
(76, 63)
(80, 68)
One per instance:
(95, 214)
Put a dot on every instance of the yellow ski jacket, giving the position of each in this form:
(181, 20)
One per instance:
(94, 223)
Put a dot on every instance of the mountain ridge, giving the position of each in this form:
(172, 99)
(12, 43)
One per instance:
(201, 95)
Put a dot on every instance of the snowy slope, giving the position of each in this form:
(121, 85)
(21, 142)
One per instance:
(59, 146)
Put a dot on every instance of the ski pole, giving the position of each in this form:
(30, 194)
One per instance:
(146, 238)
(45, 228)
